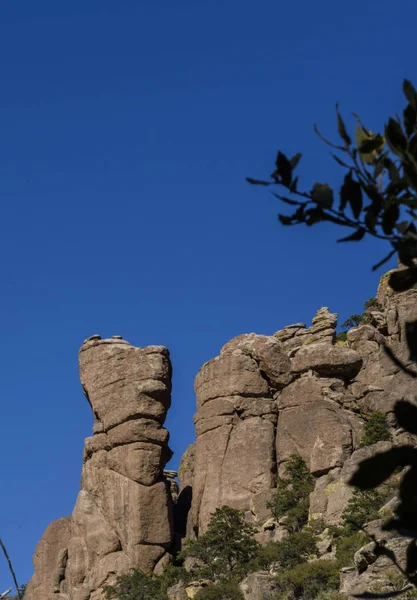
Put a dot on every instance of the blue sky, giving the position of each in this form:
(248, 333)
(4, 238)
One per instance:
(126, 132)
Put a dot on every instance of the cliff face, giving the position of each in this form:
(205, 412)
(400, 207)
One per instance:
(261, 400)
(122, 517)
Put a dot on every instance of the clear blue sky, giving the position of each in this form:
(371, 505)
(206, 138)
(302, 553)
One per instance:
(126, 131)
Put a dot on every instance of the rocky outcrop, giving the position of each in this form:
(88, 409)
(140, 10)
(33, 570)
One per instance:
(122, 517)
(263, 399)
(50, 560)
(260, 401)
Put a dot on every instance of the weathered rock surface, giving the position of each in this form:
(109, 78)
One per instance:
(261, 400)
(123, 516)
(258, 586)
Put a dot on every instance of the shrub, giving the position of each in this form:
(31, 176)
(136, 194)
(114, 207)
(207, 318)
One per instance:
(309, 579)
(135, 585)
(292, 496)
(372, 304)
(227, 546)
(363, 507)
(341, 336)
(375, 429)
(291, 551)
(225, 590)
(347, 546)
(352, 321)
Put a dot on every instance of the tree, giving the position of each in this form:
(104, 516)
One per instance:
(292, 496)
(227, 547)
(135, 585)
(376, 429)
(378, 197)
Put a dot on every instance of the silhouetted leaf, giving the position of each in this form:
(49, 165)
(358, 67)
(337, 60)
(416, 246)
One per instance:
(395, 138)
(377, 469)
(335, 146)
(356, 236)
(351, 193)
(403, 280)
(339, 161)
(284, 168)
(370, 595)
(411, 337)
(406, 511)
(410, 92)
(412, 146)
(406, 415)
(295, 160)
(411, 558)
(409, 118)
(390, 217)
(410, 173)
(322, 194)
(314, 215)
(285, 220)
(384, 260)
(257, 181)
(342, 129)
(371, 144)
(287, 200)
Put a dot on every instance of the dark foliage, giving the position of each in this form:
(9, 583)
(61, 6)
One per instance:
(226, 548)
(224, 590)
(378, 198)
(292, 496)
(375, 430)
(308, 579)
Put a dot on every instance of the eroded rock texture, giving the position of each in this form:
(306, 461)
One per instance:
(122, 517)
(302, 392)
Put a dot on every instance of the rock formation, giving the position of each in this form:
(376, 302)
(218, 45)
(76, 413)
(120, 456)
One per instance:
(122, 517)
(261, 400)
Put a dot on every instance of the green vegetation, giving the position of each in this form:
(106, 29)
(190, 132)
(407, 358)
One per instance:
(347, 545)
(291, 551)
(363, 507)
(224, 590)
(309, 579)
(135, 585)
(226, 548)
(375, 430)
(292, 496)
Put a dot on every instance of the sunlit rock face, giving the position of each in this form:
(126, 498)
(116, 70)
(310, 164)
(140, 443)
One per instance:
(123, 514)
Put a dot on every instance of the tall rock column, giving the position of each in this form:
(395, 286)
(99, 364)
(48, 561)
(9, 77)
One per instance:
(122, 517)
(236, 425)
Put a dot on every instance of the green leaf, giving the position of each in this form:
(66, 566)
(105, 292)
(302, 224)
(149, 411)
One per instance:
(395, 138)
(322, 194)
(342, 129)
(410, 93)
(356, 236)
(284, 169)
(351, 193)
(371, 145)
(390, 217)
